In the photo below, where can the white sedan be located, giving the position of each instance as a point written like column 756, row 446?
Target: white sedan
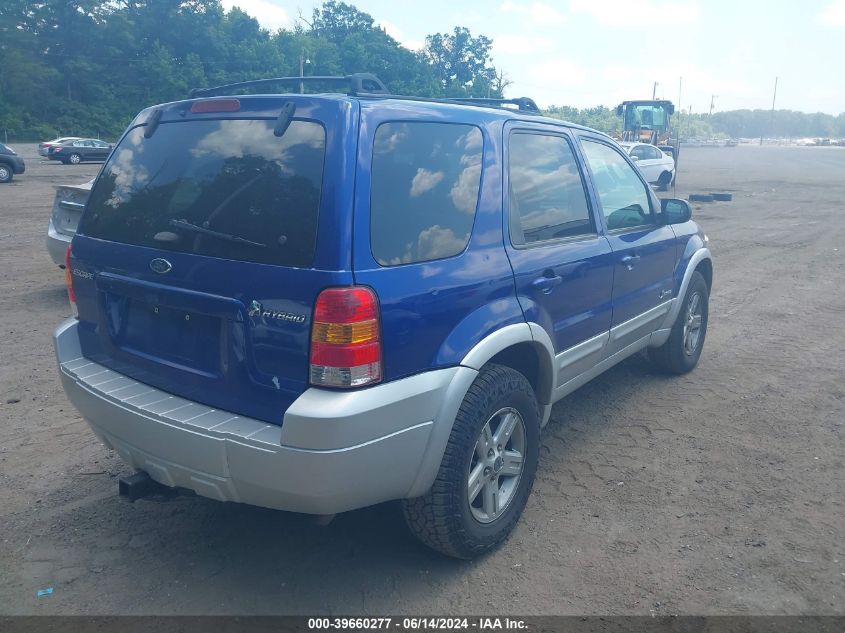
column 657, row 166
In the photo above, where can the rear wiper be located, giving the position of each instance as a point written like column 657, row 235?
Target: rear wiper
column 182, row 224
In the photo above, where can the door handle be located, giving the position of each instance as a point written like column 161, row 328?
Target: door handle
column 546, row 283
column 629, row 261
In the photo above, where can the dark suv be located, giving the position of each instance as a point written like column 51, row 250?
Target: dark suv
column 10, row 163
column 321, row 302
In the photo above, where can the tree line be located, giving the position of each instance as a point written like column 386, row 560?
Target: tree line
column 86, row 67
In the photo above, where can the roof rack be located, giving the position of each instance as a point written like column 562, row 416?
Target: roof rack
column 357, row 83
column 525, row 104
column 367, row 85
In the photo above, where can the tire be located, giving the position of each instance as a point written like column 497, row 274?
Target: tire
column 447, row 519
column 6, row 173
column 680, row 353
column 664, row 180
column 74, row 159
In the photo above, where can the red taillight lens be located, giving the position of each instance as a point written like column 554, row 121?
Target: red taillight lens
column 345, row 338
column 71, row 295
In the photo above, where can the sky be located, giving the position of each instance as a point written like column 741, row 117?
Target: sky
column 586, row 53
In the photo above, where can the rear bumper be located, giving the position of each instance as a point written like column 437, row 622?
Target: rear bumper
column 336, row 451
column 57, row 244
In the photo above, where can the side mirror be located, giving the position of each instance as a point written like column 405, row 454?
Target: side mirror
column 635, row 158
column 619, row 110
column 675, row 211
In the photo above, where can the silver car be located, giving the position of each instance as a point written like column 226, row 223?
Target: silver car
column 67, row 209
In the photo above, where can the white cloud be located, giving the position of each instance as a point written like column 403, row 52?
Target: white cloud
column 436, row 242
column 539, row 12
column 269, row 15
column 833, row 15
column 425, row 180
column 397, row 34
column 545, row 14
column 521, row 44
column 561, row 72
column 644, row 13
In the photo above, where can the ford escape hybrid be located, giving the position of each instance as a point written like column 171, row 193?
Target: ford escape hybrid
column 319, row 302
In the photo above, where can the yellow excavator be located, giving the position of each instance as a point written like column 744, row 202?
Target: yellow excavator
column 647, row 121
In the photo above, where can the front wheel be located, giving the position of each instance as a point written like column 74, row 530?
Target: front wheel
column 487, row 471
column 680, row 353
column 5, row 173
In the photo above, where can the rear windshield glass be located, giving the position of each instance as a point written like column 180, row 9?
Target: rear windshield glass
column 228, row 189
column 424, row 190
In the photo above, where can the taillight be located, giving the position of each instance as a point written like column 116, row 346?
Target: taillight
column 345, row 338
column 71, row 295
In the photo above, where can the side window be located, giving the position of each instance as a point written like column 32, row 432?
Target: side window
column 624, row 198
column 425, row 182
column 651, row 152
column 638, row 151
column 546, row 196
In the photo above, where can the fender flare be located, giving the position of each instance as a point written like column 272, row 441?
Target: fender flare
column 508, row 336
column 503, row 338
column 697, row 257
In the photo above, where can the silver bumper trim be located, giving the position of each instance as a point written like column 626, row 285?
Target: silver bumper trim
column 229, row 457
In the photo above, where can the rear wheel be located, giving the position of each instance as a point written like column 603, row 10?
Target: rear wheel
column 487, row 471
column 5, row 173
column 74, row 159
column 680, row 353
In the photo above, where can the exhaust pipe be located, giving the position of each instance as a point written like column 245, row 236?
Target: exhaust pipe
column 141, row 485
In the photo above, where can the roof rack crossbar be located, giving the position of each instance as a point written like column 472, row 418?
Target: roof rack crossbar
column 524, row 103
column 357, row 84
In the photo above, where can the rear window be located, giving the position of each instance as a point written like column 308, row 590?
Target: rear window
column 228, row 189
column 425, row 181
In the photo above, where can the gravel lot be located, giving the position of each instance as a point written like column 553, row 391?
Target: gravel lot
column 718, row 492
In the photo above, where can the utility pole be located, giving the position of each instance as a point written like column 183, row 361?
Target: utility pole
column 772, row 117
column 654, row 91
column 712, row 98
column 302, row 72
column 680, row 86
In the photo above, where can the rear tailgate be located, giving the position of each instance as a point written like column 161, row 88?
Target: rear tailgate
column 196, row 265
column 68, row 205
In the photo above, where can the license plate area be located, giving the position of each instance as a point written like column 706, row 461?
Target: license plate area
column 160, row 333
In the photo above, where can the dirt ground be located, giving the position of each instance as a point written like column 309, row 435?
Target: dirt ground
column 720, row 492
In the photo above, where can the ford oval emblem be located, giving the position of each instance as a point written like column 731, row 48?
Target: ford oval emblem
column 161, row 266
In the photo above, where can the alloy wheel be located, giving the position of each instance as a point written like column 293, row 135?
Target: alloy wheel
column 692, row 323
column 496, row 465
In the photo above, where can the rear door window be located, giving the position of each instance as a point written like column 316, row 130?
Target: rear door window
column 425, row 182
column 545, row 192
column 221, row 188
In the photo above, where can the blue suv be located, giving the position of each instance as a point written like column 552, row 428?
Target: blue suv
column 319, row 302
